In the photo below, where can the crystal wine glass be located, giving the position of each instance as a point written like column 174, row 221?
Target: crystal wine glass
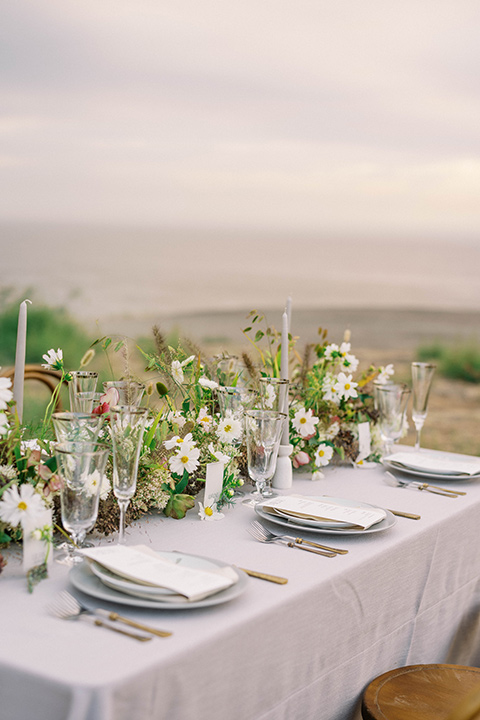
column 127, row 424
column 391, row 401
column 263, row 433
column 81, row 466
column 274, row 394
column 81, row 388
column 77, row 427
column 130, row 392
column 422, row 376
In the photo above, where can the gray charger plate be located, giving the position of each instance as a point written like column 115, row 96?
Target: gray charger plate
column 84, row 580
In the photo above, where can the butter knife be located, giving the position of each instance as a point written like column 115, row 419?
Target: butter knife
column 264, row 576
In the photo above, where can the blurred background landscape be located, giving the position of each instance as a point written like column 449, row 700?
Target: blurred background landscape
column 182, row 164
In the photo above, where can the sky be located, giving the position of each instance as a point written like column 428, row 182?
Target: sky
column 329, row 118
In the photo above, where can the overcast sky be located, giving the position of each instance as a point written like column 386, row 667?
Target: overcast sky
column 339, row 116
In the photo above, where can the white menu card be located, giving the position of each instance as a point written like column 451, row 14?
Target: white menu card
column 321, row 509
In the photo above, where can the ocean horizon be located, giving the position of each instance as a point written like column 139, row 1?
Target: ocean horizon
column 139, row 276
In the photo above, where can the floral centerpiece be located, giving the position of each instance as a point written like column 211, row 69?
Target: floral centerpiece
column 329, row 400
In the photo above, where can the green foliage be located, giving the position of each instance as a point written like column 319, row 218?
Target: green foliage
column 459, row 362
column 47, row 327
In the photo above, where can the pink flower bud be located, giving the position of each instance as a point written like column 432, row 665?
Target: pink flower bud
column 301, row 458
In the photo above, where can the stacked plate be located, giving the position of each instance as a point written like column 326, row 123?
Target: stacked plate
column 434, row 464
column 281, row 516
column 96, row 580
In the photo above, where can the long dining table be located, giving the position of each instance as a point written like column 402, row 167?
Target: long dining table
column 303, row 650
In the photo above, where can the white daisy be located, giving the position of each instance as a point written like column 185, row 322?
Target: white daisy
column 304, row 422
column 204, row 419
column 329, row 350
column 323, row 455
column 350, row 362
column 345, row 387
column 97, row 483
column 177, row 372
column 384, row 374
column 269, row 398
column 184, row 460
column 5, row 393
column 176, row 418
column 186, row 443
column 328, row 388
column 4, row 426
column 53, row 360
column 17, row 506
column 229, row 429
column 207, row 383
column 218, row 454
column 332, row 431
column 209, row 512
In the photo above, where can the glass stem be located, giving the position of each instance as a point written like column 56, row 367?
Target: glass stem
column 417, row 439
column 123, row 505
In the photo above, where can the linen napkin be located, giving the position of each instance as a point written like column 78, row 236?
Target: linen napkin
column 439, row 462
column 144, row 566
column 321, row 509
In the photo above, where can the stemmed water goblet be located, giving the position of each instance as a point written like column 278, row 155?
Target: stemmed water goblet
column 422, row 376
column 130, row 392
column 81, row 467
column 81, row 388
column 127, row 425
column 263, row 430
column 391, row 400
column 77, row 427
column 274, row 394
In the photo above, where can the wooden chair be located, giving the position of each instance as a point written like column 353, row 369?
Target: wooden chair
column 424, row 692
column 50, row 378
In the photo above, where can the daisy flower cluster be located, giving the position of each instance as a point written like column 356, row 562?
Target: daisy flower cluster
column 191, row 432
column 329, row 404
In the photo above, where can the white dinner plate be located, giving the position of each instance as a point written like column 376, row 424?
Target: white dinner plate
column 428, row 474
column 128, row 586
column 83, row 579
column 384, row 524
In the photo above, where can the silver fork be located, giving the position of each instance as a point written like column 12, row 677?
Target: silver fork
column 263, row 535
column 298, row 540
column 66, row 607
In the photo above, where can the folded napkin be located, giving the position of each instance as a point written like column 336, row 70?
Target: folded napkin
column 436, row 461
column 142, row 565
column 323, row 509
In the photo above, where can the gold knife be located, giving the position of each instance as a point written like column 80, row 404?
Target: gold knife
column 411, row 516
column 115, row 617
column 264, row 576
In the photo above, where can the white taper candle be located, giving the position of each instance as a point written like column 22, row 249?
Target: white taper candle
column 19, row 378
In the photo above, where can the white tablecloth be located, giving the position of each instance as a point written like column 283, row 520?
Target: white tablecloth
column 299, row 651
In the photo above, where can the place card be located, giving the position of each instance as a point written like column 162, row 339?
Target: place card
column 213, row 483
column 142, row 565
column 321, row 510
column 364, row 441
column 447, row 463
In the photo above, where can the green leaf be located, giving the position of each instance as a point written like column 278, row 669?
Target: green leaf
column 178, row 505
column 186, row 405
column 247, row 329
column 259, row 335
column 182, row 484
column 118, row 346
column 97, row 341
column 151, row 433
column 4, row 538
column 108, row 341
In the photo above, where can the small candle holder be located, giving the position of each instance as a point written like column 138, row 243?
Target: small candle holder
column 283, row 478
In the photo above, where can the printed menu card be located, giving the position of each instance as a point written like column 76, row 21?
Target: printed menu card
column 323, row 509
